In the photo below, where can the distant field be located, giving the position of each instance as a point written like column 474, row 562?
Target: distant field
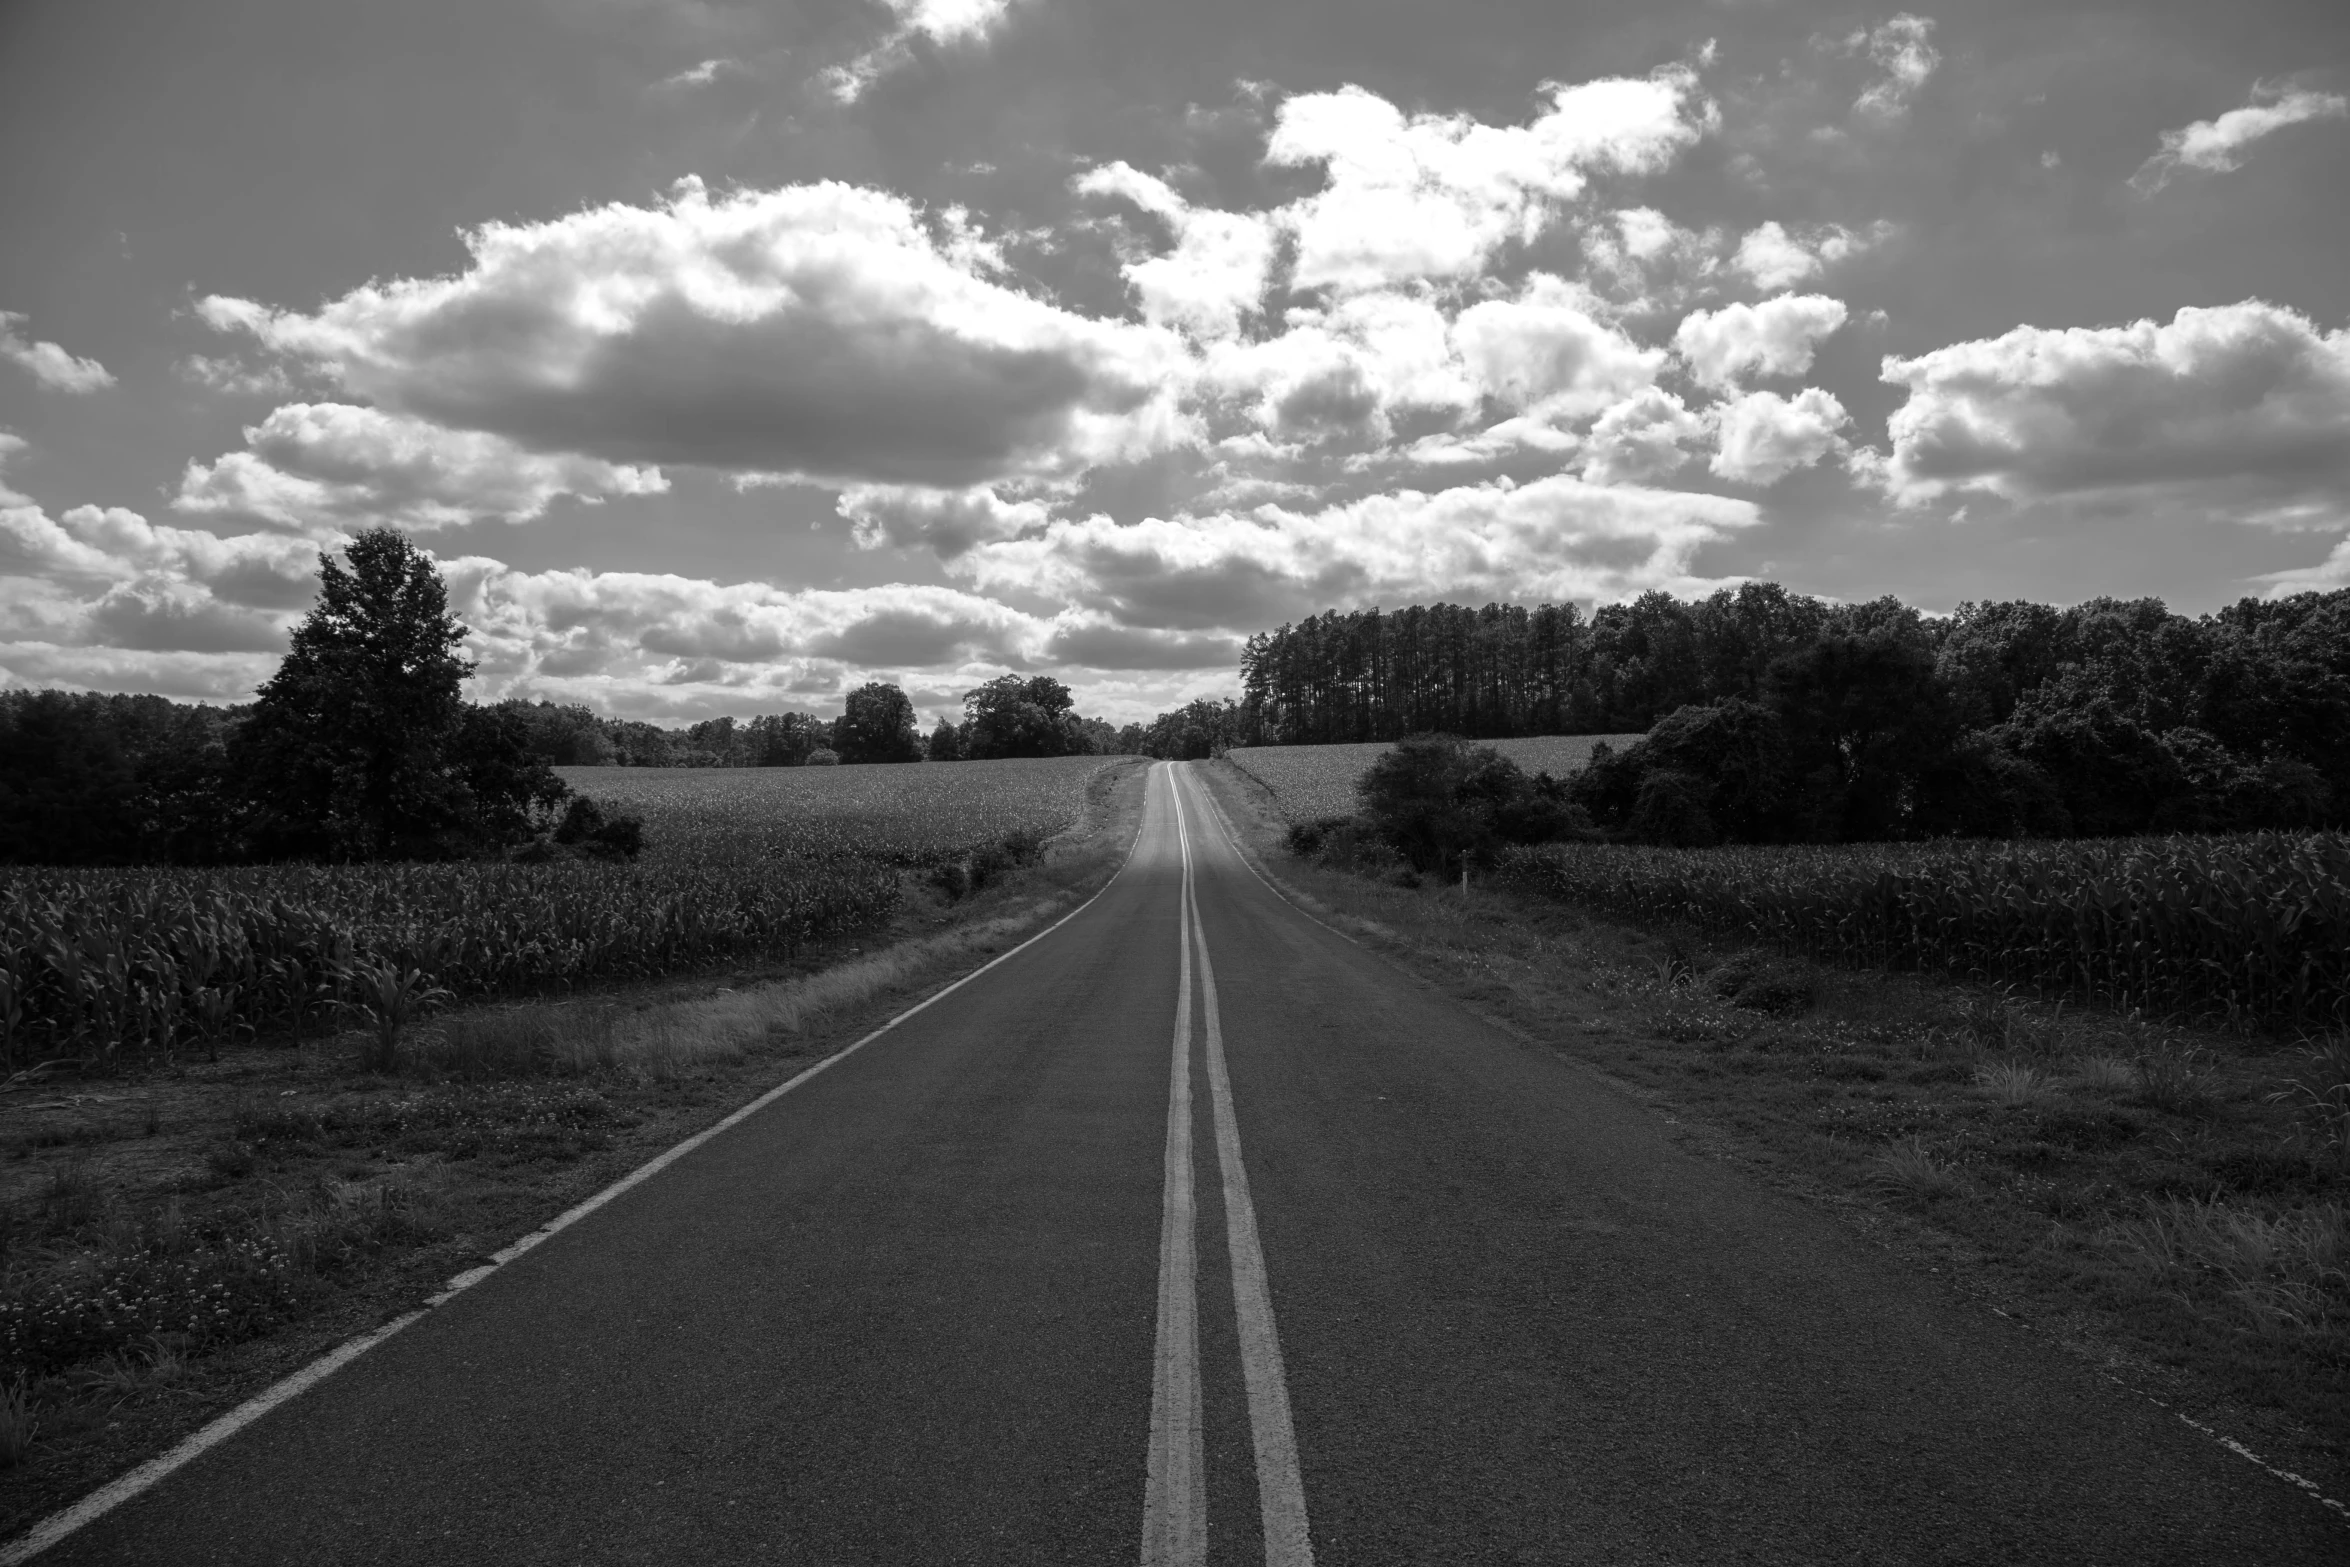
column 1319, row 780
column 909, row 814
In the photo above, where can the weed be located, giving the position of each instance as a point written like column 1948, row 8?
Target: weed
column 2012, row 1084
column 2292, row 1270
column 74, row 1197
column 2321, row 1091
column 2107, row 1075
column 2173, row 1082
column 17, row 1427
column 1908, row 1168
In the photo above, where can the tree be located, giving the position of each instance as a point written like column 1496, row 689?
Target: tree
column 357, row 748
column 946, row 742
column 1010, row 716
column 877, row 725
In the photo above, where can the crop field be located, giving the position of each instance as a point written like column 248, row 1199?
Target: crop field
column 1312, row 781
column 101, row 966
column 911, row 814
column 2252, row 928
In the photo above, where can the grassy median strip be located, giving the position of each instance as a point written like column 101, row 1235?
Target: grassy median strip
column 2167, row 1199
column 174, row 1238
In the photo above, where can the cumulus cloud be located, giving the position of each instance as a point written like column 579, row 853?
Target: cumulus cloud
column 100, row 598
column 1556, row 537
column 1340, row 374
column 1775, row 337
column 1903, row 49
column 2218, row 146
column 947, row 522
column 1774, row 257
column 2242, row 407
column 326, row 465
column 1545, row 350
column 1762, row 437
column 1640, row 440
column 817, row 330
column 1216, row 273
column 47, row 363
column 1427, row 196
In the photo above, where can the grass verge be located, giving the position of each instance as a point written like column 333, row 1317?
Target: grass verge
column 172, row 1242
column 2168, row 1202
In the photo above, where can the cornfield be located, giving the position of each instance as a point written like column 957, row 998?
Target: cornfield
column 101, row 966
column 96, row 965
column 2252, row 928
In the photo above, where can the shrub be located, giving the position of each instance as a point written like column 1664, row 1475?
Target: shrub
column 1439, row 801
column 822, row 756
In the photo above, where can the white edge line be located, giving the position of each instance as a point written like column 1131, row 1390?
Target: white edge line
column 55, row 1527
column 2308, row 1487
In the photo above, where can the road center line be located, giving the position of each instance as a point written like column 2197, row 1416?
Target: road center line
column 1281, row 1496
column 1175, row 1495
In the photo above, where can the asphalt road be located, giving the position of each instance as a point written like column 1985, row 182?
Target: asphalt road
column 951, row 1302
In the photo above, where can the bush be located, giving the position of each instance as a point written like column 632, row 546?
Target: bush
column 1437, row 800
column 822, row 756
column 590, row 834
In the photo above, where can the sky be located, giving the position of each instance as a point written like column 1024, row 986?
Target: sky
column 728, row 356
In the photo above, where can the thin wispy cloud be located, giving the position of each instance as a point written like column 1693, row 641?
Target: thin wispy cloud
column 2219, row 146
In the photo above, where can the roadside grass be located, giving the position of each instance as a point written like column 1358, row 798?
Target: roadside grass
column 2166, row 1200
column 171, row 1241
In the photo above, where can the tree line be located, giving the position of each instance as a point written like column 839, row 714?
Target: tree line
column 1773, row 717
column 362, row 747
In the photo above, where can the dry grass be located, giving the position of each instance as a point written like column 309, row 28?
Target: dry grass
column 2289, row 1269
column 2013, row 1084
column 1908, row 1169
column 2106, row 1075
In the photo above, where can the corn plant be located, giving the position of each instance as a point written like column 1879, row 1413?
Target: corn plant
column 2252, row 928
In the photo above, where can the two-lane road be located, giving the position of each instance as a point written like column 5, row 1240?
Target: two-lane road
column 1192, row 1232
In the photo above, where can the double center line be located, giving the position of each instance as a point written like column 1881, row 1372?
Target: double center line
column 1175, row 1497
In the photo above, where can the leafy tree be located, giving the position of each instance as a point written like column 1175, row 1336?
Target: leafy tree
column 1011, row 716
column 946, row 743
column 358, row 748
column 877, row 725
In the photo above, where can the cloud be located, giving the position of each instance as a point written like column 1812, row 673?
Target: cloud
column 10, row 445
column 47, row 363
column 2243, row 408
column 1557, row 537
column 816, row 330
column 947, row 522
column 1640, row 440
column 2221, row 145
column 1776, row 337
column 701, row 75
column 948, row 23
column 1773, row 257
column 1340, row 374
column 1762, row 437
column 326, row 465
column 1903, row 49
column 1097, row 644
column 100, row 598
column 1216, row 273
column 1428, row 196
column 1544, row 350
